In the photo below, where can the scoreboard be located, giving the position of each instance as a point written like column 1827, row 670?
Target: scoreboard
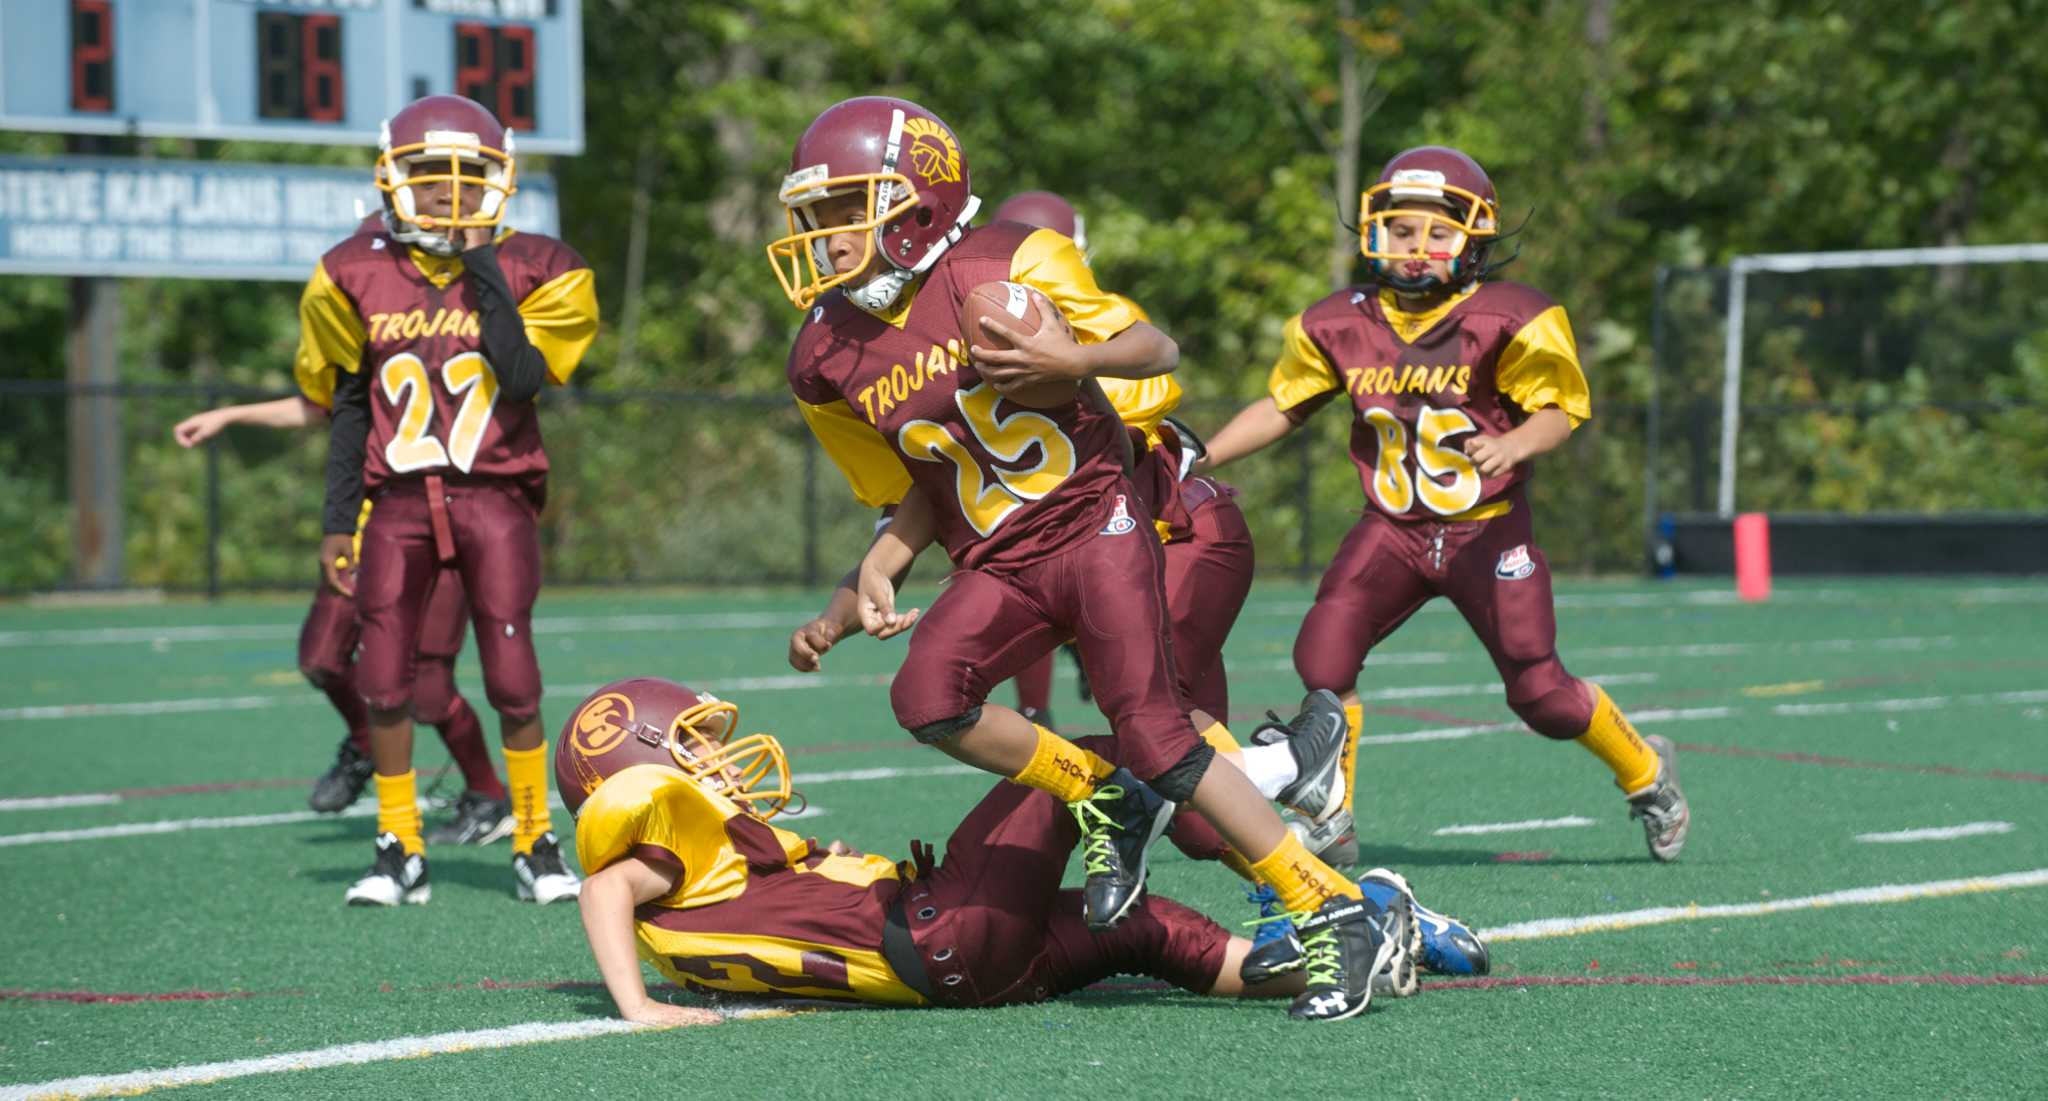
column 324, row 71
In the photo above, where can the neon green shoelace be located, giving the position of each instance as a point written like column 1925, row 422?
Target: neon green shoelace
column 1320, row 959
column 1098, row 857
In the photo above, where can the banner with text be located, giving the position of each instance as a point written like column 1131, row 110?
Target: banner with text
column 196, row 220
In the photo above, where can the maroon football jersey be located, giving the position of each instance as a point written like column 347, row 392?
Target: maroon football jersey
column 1422, row 384
column 434, row 405
column 1011, row 484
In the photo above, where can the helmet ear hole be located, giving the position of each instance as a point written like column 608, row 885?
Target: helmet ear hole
column 924, row 217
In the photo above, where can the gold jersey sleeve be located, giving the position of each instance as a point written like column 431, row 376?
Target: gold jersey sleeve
column 331, row 337
column 561, row 320
column 870, row 465
column 1049, row 261
column 651, row 811
column 1143, row 402
column 1540, row 367
column 1301, row 372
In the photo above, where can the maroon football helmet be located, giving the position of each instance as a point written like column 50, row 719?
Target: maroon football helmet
column 1440, row 177
column 919, row 197
column 433, row 140
column 1045, row 210
column 650, row 721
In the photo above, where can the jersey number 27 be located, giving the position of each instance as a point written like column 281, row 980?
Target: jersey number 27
column 408, row 386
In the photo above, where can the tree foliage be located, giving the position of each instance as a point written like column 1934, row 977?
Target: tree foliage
column 1200, row 139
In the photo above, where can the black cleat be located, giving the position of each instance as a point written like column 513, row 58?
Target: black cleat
column 342, row 784
column 1316, row 738
column 1344, row 945
column 393, row 878
column 1118, row 825
column 540, row 874
column 478, row 820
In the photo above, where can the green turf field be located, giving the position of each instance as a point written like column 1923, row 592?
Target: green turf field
column 1795, row 959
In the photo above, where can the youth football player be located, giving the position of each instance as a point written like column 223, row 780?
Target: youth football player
column 673, row 824
column 430, row 344
column 1456, row 383
column 327, row 648
column 1033, row 506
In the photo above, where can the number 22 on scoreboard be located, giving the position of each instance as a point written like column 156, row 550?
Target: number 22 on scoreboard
column 408, row 386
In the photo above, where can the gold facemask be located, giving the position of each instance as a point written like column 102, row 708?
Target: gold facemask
column 806, row 274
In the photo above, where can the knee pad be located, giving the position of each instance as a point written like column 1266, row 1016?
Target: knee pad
column 1177, row 784
column 433, row 691
column 322, row 677
column 1552, row 702
column 946, row 729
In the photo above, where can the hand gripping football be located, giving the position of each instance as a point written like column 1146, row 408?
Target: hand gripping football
column 1023, row 310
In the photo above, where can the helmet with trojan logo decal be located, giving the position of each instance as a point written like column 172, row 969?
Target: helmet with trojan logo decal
column 650, row 721
column 1046, row 210
column 1455, row 198
column 907, row 164
column 451, row 140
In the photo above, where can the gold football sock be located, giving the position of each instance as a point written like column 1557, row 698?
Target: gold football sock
column 398, row 810
column 1219, row 737
column 1062, row 769
column 526, row 777
column 1354, row 719
column 1302, row 882
column 1612, row 739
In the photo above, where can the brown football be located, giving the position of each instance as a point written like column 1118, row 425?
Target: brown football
column 1023, row 310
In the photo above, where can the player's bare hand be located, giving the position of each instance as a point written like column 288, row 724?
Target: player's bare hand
column 199, row 427
column 664, row 1015
column 841, row 848
column 472, row 237
column 808, row 644
column 1049, row 355
column 338, row 563
column 878, row 614
column 1493, row 455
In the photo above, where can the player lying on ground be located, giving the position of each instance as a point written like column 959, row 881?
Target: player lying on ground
column 687, row 873
column 883, row 255
column 1455, row 383
column 327, row 658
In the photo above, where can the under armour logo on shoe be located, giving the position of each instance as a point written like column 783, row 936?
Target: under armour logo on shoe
column 1328, row 1003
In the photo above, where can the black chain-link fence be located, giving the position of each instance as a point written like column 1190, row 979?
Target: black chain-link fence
column 652, row 488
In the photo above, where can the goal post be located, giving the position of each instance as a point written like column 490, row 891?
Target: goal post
column 1739, row 270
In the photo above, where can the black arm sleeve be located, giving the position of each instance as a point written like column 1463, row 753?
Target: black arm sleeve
column 347, row 436
column 520, row 367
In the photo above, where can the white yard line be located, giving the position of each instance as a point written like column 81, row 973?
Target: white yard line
column 54, row 802
column 1567, row 822
column 1856, row 896
column 341, row 1055
column 1938, row 833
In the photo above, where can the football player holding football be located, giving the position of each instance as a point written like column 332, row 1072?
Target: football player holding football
column 1457, row 382
column 430, row 344
column 327, row 649
column 687, row 872
column 1207, row 544
column 1048, row 534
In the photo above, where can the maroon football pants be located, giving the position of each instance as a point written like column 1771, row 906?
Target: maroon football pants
column 496, row 547
column 1105, row 592
column 994, row 928
column 1490, row 570
column 327, row 658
